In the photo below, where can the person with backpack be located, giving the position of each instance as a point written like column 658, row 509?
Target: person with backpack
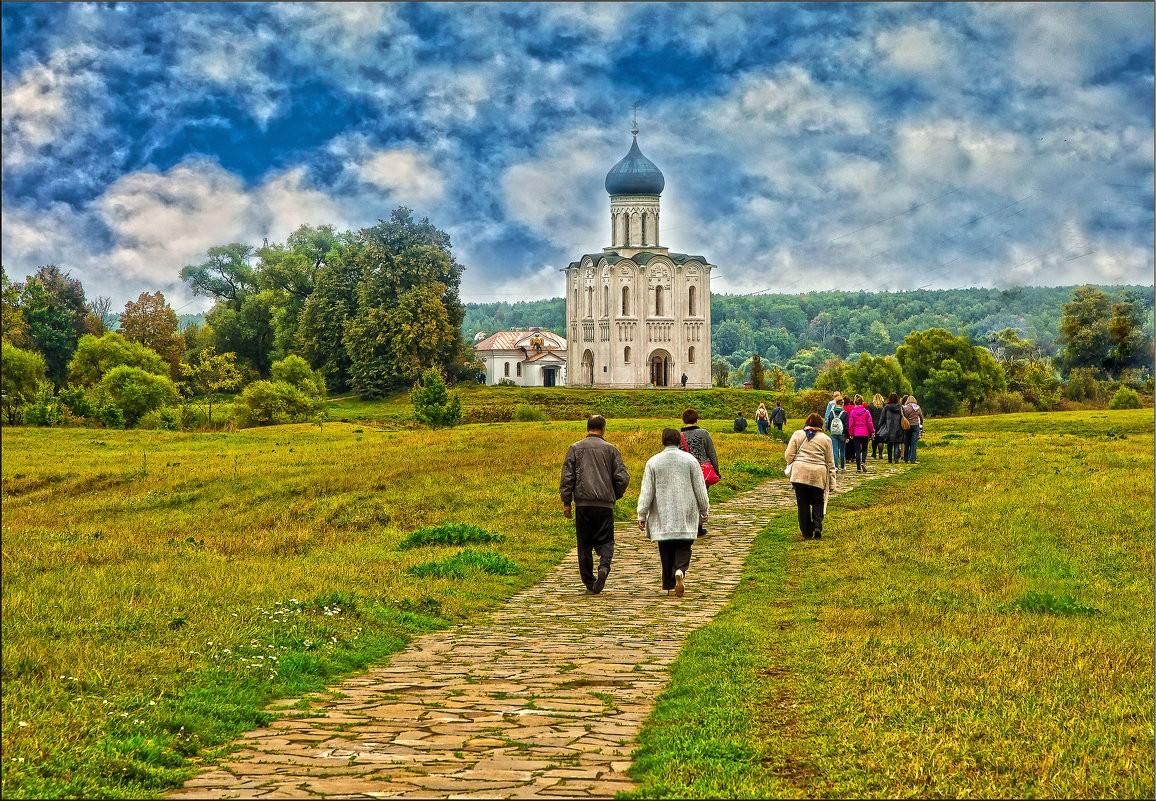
column 698, row 443
column 672, row 507
column 890, row 427
column 762, row 419
column 914, row 417
column 740, row 423
column 860, row 427
column 779, row 416
column 836, row 424
column 594, row 477
column 811, row 468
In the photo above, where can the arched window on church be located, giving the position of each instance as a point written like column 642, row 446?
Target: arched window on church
column 626, row 230
column 507, row 369
column 690, row 355
column 626, row 355
column 644, row 241
column 692, row 298
column 589, row 301
column 519, row 367
column 658, row 301
column 605, row 300
column 625, row 301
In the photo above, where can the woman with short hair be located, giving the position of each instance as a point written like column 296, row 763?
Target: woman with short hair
column 700, row 445
column 811, row 462
column 890, row 427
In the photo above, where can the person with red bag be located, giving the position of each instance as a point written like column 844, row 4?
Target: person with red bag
column 698, row 443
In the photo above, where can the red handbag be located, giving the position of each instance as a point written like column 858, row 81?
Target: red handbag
column 709, row 474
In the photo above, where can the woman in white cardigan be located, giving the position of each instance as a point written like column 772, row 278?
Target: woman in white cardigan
column 671, row 505
column 811, row 460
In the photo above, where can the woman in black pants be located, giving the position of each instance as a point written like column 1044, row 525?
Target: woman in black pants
column 811, row 460
column 876, row 409
column 890, row 427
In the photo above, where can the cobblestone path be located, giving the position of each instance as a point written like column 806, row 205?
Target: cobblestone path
column 542, row 699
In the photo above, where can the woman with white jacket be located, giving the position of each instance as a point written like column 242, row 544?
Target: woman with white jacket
column 811, row 461
column 672, row 504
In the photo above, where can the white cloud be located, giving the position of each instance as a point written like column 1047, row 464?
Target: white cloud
column 919, row 48
column 408, row 175
column 791, row 102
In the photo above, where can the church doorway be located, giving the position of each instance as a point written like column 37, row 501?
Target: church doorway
column 588, row 368
column 548, row 376
column 661, row 367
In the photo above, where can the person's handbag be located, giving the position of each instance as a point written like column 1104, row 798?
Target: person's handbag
column 904, row 423
column 709, row 475
column 787, row 470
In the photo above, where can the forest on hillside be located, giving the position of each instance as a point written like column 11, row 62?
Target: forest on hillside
column 803, row 331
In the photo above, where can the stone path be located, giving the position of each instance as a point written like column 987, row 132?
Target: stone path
column 543, row 699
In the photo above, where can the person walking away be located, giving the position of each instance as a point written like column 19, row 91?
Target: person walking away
column 876, row 409
column 914, row 416
column 700, row 445
column 672, row 507
column 811, row 461
column 594, row 477
column 836, row 424
column 762, row 419
column 838, row 396
column 779, row 416
column 890, row 429
column 740, row 423
column 684, row 380
column 861, row 428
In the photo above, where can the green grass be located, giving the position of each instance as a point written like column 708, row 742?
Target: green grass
column 981, row 627
column 468, row 561
column 144, row 573
column 449, row 534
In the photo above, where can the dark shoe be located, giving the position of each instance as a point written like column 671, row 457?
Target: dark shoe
column 808, row 536
column 818, row 535
column 600, row 582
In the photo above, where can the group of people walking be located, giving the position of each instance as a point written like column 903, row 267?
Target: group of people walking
column 673, row 505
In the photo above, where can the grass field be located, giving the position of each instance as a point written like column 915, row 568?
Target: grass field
column 981, row 628
column 160, row 588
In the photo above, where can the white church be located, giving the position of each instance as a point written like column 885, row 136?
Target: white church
column 639, row 315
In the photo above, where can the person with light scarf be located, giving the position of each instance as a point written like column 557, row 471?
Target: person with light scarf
column 811, row 462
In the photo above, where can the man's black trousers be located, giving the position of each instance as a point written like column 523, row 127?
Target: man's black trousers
column 595, row 528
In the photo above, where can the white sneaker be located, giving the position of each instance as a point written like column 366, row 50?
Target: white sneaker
column 679, row 587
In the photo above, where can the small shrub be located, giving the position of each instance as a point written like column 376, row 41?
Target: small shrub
column 525, row 413
column 449, row 534
column 266, row 403
column 468, row 561
column 1046, row 603
column 167, row 418
column 1004, row 403
column 1082, row 385
column 135, row 391
column 43, row 413
column 506, row 382
column 432, row 404
column 1125, row 398
column 109, row 416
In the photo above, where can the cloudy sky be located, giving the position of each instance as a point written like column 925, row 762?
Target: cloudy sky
column 815, row 146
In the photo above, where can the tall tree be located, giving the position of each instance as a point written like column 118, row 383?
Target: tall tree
column 946, row 370
column 226, row 274
column 151, row 321
column 54, row 310
column 13, row 325
column 1129, row 347
column 291, row 272
column 211, row 373
column 1084, row 330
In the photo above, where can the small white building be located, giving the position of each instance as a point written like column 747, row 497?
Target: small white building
column 533, row 358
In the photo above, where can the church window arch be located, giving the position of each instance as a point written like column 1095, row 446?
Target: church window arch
column 626, row 355
column 507, row 366
column 625, row 301
column 690, row 355
column 605, row 300
column 691, row 300
column 644, row 241
column 589, row 301
column 658, row 301
column 519, row 369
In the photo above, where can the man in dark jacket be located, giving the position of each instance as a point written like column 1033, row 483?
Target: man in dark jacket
column 740, row 424
column 594, row 477
column 778, row 416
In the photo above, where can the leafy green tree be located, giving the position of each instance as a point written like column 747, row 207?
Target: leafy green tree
column 720, row 370
column 1129, row 347
column 211, row 373
column 22, row 372
column 275, row 402
column 135, row 392
column 758, row 377
column 320, row 336
column 1125, row 398
column 291, row 271
column 245, row 327
column 778, row 380
column 13, row 326
column 296, row 372
column 1084, row 329
column 946, row 371
column 870, row 374
column 226, row 274
column 408, row 315
column 833, row 374
column 432, row 404
column 151, row 321
column 54, row 311
column 95, row 356
column 728, row 337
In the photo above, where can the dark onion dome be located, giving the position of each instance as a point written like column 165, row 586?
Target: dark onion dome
column 635, row 175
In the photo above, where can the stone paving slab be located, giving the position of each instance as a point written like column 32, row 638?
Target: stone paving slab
column 542, row 699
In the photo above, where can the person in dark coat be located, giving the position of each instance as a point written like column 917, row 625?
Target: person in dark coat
column 740, row 423
column 876, row 409
column 890, row 429
column 700, row 445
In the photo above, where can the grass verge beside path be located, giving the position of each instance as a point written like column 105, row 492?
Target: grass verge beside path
column 980, row 627
column 161, row 588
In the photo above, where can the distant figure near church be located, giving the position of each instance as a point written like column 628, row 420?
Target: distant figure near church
column 638, row 315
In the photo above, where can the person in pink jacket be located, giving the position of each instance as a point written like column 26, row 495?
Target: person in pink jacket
column 860, row 428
